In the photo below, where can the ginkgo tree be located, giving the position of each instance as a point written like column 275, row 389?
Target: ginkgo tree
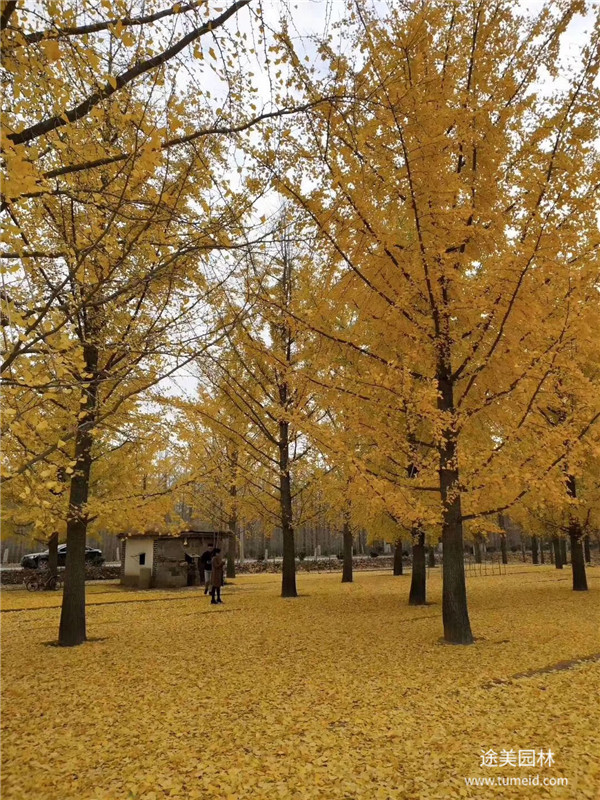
column 115, row 192
column 122, row 267
column 66, row 63
column 260, row 373
column 460, row 208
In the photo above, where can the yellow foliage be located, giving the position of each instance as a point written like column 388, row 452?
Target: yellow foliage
column 344, row 693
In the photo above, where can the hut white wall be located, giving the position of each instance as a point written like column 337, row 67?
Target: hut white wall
column 132, row 555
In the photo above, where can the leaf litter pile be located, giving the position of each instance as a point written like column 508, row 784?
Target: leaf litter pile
column 343, row 693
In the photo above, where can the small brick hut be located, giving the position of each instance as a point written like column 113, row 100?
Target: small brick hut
column 173, row 560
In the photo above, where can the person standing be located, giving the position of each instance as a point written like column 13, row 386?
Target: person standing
column 216, row 579
column 205, row 561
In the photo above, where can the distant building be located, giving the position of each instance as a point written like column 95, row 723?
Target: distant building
column 173, row 561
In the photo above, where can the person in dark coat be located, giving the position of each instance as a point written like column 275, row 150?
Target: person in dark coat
column 216, row 577
column 205, row 560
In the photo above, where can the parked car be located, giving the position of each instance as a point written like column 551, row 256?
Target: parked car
column 93, row 556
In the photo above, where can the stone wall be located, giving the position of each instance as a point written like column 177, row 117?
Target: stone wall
column 169, row 565
column 12, row 577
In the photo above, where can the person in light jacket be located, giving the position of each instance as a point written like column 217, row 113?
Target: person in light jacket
column 216, row 577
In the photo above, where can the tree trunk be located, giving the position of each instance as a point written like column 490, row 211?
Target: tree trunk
column 431, row 556
column 563, row 550
column 72, row 617
column 534, row 550
column 503, row 549
column 347, row 544
column 53, row 555
column 558, row 562
column 398, row 568
column 455, row 613
column 232, row 525
column 575, row 536
column 542, row 558
column 477, row 548
column 418, row 581
column 288, row 578
column 230, row 570
column 586, row 549
column 577, row 561
column 361, row 545
column 523, row 552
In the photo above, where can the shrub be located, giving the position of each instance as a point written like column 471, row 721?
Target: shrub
column 301, row 555
column 373, row 553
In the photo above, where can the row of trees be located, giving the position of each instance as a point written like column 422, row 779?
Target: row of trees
column 403, row 341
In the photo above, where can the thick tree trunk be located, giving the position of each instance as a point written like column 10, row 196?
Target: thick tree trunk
column 398, row 568
column 575, row 536
column 534, row 550
column 72, row 618
column 503, row 549
column 455, row 613
column 53, row 555
column 558, row 562
column 288, row 578
column 347, row 544
column 418, row 581
column 586, row 549
column 577, row 561
column 563, row 550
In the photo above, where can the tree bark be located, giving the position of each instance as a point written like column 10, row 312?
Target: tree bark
column 477, row 548
column 53, row 555
column 230, row 569
column 398, row 567
column 9, row 8
column 361, row 542
column 455, row 613
column 431, row 556
column 232, row 524
column 575, row 536
column 563, row 550
column 586, row 549
column 534, row 550
column 347, row 543
column 558, row 562
column 577, row 560
column 71, row 630
column 503, row 549
column 288, row 578
column 418, row 582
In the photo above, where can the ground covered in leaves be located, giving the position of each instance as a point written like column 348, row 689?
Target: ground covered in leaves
column 340, row 694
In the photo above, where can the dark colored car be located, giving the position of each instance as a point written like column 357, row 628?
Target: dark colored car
column 40, row 560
